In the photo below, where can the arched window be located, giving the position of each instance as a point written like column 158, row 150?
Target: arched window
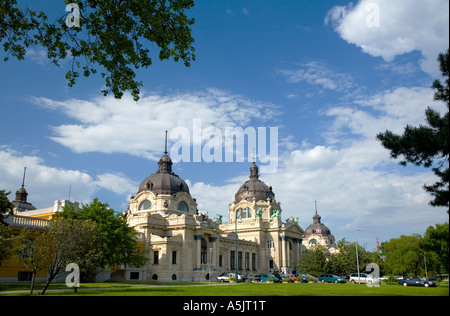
column 145, row 205
column 182, row 206
column 312, row 242
column 204, row 251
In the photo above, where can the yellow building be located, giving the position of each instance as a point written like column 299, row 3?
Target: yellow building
column 25, row 215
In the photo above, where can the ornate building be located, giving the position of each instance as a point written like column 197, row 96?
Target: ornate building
column 187, row 245
column 319, row 234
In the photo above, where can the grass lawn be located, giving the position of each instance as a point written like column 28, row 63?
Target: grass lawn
column 217, row 289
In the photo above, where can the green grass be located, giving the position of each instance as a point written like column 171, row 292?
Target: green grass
column 216, row 289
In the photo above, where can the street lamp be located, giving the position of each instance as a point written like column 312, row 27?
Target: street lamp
column 357, row 261
column 235, row 247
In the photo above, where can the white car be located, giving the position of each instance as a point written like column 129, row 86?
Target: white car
column 226, row 277
column 364, row 278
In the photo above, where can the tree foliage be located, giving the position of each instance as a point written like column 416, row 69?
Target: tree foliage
column 119, row 241
column 428, row 145
column 115, row 36
column 436, row 244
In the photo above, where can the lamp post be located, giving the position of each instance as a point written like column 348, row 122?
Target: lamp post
column 235, row 247
column 357, row 261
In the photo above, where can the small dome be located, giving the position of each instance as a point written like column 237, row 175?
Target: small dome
column 164, row 181
column 317, row 227
column 254, row 188
column 20, row 204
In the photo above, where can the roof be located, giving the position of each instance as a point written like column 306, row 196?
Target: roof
column 164, row 181
column 254, row 188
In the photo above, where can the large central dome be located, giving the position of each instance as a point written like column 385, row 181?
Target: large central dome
column 164, row 181
column 254, row 188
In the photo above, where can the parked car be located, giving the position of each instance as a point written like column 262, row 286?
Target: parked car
column 363, row 278
column 331, row 278
column 281, row 276
column 416, row 281
column 263, row 277
column 225, row 277
column 291, row 277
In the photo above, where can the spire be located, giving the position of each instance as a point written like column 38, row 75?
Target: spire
column 23, row 179
column 316, row 217
column 21, row 204
column 165, row 146
column 254, row 171
column 165, row 163
column 21, row 194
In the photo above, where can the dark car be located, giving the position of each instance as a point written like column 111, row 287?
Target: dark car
column 331, row 278
column 416, row 281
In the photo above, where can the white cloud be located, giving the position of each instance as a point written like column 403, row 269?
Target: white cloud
column 46, row 184
column 316, row 73
column 137, row 128
column 404, row 26
column 352, row 176
column 117, row 183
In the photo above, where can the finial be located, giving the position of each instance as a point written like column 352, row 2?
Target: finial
column 23, row 180
column 165, row 147
column 254, row 158
column 315, row 202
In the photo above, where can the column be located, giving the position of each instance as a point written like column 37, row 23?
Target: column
column 198, row 239
column 214, row 255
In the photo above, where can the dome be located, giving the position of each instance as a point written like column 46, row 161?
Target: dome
column 21, row 204
column 164, row 181
column 317, row 227
column 254, row 188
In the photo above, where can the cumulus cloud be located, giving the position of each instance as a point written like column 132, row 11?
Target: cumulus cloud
column 46, row 184
column 137, row 128
column 351, row 175
column 404, row 26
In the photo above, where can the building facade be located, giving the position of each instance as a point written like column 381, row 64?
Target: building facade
column 183, row 243
column 187, row 245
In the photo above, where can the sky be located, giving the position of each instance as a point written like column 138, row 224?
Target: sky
column 312, row 82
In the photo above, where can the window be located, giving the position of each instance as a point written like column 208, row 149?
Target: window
column 312, row 242
column 253, row 261
column 24, row 276
column 134, row 275
column 174, row 257
column 244, row 213
column 204, row 251
column 182, row 206
column 145, row 205
column 155, row 257
column 270, row 264
column 220, row 260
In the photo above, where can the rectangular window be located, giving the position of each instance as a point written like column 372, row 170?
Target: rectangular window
column 253, row 261
column 220, row 260
column 270, row 264
column 174, row 257
column 134, row 275
column 24, row 276
column 155, row 257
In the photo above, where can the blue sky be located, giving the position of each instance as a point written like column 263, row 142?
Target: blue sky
column 329, row 75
